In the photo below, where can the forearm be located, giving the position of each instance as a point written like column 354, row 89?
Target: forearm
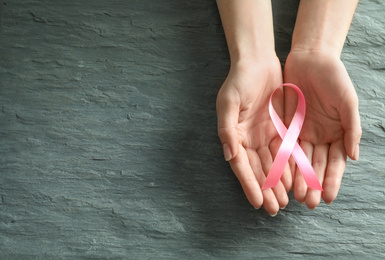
column 248, row 26
column 322, row 25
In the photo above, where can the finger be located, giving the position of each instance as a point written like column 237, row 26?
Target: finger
column 241, row 167
column 350, row 119
column 319, row 162
column 300, row 187
column 266, row 159
column 256, row 167
column 228, row 114
column 270, row 202
column 287, row 178
column 334, row 171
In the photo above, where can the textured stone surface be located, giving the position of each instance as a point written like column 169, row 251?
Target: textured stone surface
column 108, row 144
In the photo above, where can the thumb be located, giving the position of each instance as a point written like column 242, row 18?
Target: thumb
column 228, row 114
column 350, row 119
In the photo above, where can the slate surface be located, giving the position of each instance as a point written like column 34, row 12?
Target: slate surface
column 108, row 144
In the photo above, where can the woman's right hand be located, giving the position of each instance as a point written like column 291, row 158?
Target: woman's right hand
column 249, row 138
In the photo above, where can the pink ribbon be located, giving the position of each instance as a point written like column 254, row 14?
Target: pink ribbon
column 290, row 146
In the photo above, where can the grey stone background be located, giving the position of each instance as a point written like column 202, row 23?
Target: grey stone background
column 108, row 144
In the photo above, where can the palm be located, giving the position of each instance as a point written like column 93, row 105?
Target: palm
column 330, row 97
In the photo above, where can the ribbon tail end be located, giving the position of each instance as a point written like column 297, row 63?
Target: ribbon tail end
column 269, row 184
column 265, row 187
column 316, row 186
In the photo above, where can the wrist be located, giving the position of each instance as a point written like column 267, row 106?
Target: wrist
column 253, row 68
column 313, row 55
column 316, row 46
column 250, row 58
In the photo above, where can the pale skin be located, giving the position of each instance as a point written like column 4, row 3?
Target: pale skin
column 331, row 130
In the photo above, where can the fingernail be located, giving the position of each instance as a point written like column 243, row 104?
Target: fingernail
column 282, row 207
column 357, row 152
column 273, row 215
column 257, row 208
column 227, row 152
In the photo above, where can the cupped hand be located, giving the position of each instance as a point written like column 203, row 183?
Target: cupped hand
column 331, row 129
column 249, row 138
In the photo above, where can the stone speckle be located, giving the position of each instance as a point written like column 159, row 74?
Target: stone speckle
column 109, row 146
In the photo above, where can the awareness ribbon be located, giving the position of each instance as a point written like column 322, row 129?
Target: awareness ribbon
column 290, row 146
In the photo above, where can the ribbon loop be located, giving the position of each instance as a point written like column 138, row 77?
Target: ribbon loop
column 290, row 145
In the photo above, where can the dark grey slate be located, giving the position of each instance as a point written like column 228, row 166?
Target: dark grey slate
column 108, row 144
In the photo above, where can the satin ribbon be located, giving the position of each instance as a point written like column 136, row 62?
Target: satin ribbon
column 290, row 146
